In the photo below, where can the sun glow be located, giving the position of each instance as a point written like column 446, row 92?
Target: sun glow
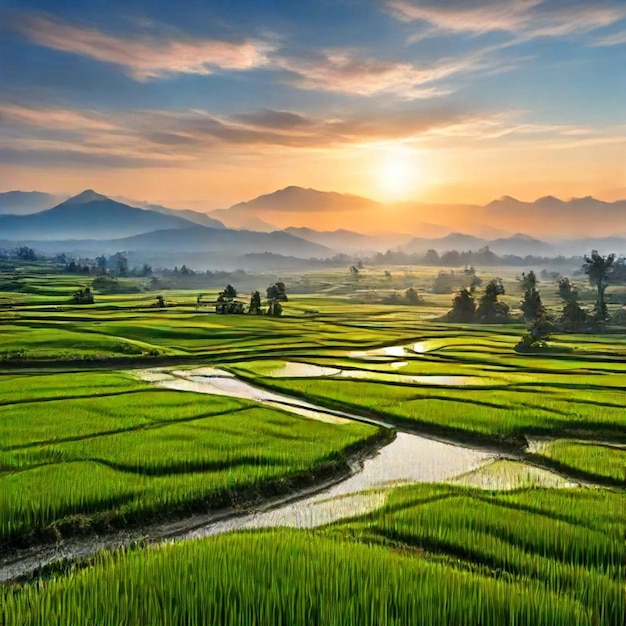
column 398, row 173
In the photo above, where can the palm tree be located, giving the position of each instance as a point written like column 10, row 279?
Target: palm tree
column 598, row 269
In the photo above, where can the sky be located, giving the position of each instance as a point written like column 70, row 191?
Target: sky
column 201, row 104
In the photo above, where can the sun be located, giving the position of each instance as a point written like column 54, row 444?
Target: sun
column 397, row 173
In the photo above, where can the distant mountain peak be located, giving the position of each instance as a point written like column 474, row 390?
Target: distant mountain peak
column 503, row 200
column 546, row 199
column 523, row 236
column 89, row 195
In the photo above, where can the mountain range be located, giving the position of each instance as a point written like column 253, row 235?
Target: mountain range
column 86, row 216
column 546, row 217
column 26, row 202
column 91, row 223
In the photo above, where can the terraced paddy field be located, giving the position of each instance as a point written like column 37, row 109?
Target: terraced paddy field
column 121, row 415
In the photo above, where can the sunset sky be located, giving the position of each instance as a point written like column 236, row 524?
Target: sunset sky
column 200, row 104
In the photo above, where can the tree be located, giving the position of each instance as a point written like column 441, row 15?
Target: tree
column 120, row 264
column 411, row 296
column 229, row 293
column 101, row 264
column 445, row 282
column 229, row 307
column 451, row 258
column 255, row 303
column 598, row 270
column 277, row 292
column 528, row 281
column 83, row 296
column 475, row 282
column 24, row 253
column 463, row 306
column 531, row 305
column 489, row 309
column 275, row 309
column 431, row 257
column 539, row 332
column 573, row 316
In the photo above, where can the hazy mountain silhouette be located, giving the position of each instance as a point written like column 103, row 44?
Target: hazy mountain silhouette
column 194, row 240
column 350, row 241
column 295, row 199
column 88, row 215
column 453, row 241
column 550, row 216
column 545, row 217
column 197, row 217
column 242, row 221
column 193, row 216
column 283, row 205
column 229, row 241
column 518, row 245
column 521, row 245
column 96, row 222
column 26, row 202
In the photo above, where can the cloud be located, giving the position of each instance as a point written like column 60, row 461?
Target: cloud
column 188, row 136
column 54, row 118
column 341, row 70
column 268, row 118
column 529, row 18
column 144, row 57
column 155, row 138
column 616, row 39
column 351, row 72
column 77, row 158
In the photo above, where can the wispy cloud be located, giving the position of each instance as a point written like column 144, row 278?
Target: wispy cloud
column 340, row 70
column 529, row 18
column 143, row 57
column 158, row 138
column 353, row 72
column 615, row 39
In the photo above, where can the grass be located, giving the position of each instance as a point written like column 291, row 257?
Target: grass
column 435, row 554
column 68, row 458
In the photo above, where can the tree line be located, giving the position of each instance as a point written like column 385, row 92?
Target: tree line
column 227, row 304
column 601, row 271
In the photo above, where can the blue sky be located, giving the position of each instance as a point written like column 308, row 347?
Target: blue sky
column 204, row 103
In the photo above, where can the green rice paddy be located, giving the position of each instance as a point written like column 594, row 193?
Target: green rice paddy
column 127, row 451
column 432, row 555
column 85, row 445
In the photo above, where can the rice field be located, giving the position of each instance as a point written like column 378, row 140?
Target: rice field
column 583, row 457
column 81, row 449
column 86, row 446
column 434, row 554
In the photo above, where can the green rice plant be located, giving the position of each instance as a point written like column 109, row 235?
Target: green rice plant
column 284, row 577
column 587, row 459
column 141, row 452
column 569, row 541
